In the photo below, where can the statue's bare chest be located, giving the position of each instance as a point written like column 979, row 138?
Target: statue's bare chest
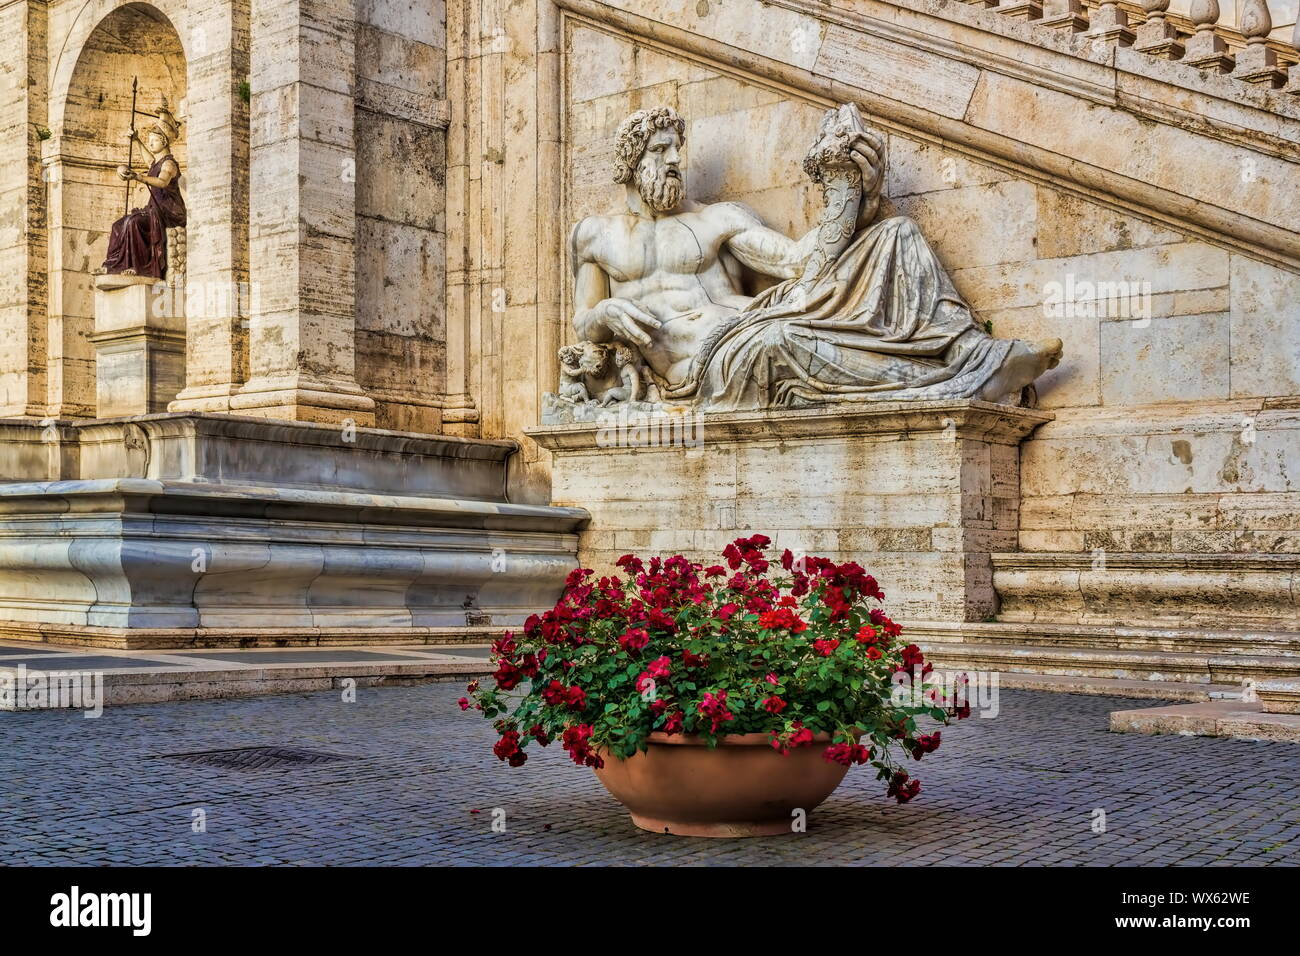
column 670, row 246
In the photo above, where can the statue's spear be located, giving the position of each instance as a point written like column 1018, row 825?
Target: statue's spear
column 130, row 148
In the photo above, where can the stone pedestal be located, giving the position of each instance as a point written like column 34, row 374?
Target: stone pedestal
column 920, row 493
column 201, row 530
column 139, row 341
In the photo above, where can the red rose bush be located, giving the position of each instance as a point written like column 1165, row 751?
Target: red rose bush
column 671, row 646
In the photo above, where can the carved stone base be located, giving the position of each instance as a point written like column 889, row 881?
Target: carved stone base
column 920, row 493
column 1258, row 64
column 139, row 341
column 1064, row 15
column 1207, row 51
column 1157, row 37
column 180, row 524
column 1021, row 9
column 1109, row 24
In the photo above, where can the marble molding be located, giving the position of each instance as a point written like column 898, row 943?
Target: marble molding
column 189, row 527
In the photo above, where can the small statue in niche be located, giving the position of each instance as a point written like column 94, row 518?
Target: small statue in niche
column 137, row 244
column 601, row 373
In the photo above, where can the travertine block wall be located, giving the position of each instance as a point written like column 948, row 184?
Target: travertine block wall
column 400, row 206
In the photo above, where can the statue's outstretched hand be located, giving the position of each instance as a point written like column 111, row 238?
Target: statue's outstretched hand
column 125, row 173
column 624, row 320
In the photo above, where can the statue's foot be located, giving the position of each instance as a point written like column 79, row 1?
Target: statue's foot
column 129, row 272
column 1025, row 362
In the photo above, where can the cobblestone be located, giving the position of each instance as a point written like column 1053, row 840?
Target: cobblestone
column 1016, row 790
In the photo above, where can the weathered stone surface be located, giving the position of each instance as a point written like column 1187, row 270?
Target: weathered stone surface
column 213, row 522
column 918, row 492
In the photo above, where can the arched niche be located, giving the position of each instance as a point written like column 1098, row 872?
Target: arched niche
column 90, row 108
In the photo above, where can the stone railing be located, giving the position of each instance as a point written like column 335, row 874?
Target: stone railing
column 1245, row 51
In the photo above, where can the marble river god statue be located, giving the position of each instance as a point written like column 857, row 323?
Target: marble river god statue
column 863, row 310
column 137, row 244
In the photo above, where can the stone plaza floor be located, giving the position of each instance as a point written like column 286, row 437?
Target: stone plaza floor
column 1019, row 789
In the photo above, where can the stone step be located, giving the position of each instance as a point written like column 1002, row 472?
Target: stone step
column 1220, row 718
column 1117, row 687
column 1110, row 663
column 45, row 676
column 234, row 638
column 1279, row 696
column 1210, row 642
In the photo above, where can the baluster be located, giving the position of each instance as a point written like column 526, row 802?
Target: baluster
column 1206, row 49
column 1064, row 15
column 1257, row 63
column 1157, row 36
column 1109, row 24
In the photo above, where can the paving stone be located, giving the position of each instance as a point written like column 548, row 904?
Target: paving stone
column 1016, row 790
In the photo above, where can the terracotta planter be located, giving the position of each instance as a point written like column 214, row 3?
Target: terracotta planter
column 742, row 788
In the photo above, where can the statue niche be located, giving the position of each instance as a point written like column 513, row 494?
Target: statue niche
column 863, row 311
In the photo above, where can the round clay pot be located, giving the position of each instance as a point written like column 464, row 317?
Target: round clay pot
column 743, row 787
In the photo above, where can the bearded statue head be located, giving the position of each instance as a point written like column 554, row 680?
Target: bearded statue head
column 647, row 150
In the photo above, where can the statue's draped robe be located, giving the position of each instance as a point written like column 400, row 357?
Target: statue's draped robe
column 881, row 322
column 139, row 239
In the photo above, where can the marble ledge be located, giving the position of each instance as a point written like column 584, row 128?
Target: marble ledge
column 87, row 497
column 901, row 420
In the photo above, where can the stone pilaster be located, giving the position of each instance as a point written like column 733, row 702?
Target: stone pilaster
column 460, row 414
column 302, row 214
column 22, row 208
column 217, row 286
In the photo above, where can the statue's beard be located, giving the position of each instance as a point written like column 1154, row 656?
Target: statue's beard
column 661, row 192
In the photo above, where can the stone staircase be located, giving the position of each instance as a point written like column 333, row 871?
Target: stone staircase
column 1248, row 49
column 1180, row 662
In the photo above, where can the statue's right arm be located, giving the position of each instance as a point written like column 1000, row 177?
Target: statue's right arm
column 590, row 288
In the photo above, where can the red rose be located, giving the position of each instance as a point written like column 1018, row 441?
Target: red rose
column 660, row 668
column 726, row 612
column 634, row 639
column 774, row 705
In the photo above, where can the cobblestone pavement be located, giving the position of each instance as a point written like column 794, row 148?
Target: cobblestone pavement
column 1018, row 789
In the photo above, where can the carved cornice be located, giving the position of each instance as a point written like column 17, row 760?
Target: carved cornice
column 886, row 421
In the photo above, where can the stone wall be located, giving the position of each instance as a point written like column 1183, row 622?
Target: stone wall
column 1035, row 162
column 316, row 241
